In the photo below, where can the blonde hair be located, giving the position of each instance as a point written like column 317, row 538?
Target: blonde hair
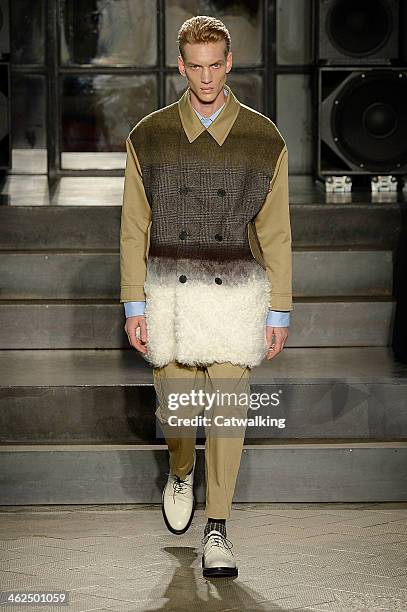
column 203, row 29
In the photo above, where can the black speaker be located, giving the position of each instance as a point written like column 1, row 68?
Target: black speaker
column 362, row 120
column 358, row 31
column 403, row 31
column 4, row 30
column 5, row 131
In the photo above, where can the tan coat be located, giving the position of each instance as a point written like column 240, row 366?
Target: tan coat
column 205, row 233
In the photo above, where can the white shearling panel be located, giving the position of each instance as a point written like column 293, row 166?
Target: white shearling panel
column 159, row 313
column 221, row 324
column 200, row 322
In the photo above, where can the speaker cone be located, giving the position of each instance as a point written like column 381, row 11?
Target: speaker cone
column 359, row 27
column 369, row 119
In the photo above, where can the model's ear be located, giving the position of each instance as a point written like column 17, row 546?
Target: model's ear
column 229, row 61
column 181, row 65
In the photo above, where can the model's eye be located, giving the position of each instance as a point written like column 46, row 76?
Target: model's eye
column 216, row 65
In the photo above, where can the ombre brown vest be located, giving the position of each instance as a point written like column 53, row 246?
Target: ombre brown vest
column 206, row 286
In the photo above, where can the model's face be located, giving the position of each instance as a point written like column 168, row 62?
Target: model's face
column 205, row 68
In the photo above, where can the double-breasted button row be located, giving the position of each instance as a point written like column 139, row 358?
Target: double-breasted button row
column 183, row 279
column 184, row 234
column 185, row 189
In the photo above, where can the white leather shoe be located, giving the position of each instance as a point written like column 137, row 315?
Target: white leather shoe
column 178, row 502
column 217, row 558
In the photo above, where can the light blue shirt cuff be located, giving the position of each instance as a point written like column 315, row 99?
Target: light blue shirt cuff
column 275, row 318
column 132, row 309
column 278, row 318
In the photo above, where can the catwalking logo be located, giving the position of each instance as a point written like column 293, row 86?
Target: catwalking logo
column 223, row 421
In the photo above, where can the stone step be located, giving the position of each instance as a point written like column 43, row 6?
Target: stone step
column 101, row 397
column 40, row 275
column 107, row 474
column 33, row 224
column 39, row 324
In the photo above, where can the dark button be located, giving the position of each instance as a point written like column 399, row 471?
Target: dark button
column 218, row 237
column 218, row 280
column 221, row 192
column 183, row 234
column 182, row 278
column 184, row 190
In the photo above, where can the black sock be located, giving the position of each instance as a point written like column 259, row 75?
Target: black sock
column 214, row 523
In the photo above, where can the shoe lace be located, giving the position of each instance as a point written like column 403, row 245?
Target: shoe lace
column 218, row 540
column 179, row 485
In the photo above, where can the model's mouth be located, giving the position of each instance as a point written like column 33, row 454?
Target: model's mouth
column 206, row 89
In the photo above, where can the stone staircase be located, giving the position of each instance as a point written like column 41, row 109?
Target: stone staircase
column 76, row 404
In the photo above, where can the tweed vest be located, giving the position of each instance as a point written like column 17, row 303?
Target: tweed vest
column 206, row 285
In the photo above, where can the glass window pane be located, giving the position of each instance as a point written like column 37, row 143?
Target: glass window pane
column 175, row 85
column 28, row 125
column 244, row 21
column 248, row 88
column 99, row 111
column 108, row 33
column 294, row 119
column 27, row 31
column 294, row 37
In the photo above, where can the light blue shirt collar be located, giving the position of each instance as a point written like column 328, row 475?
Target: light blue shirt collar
column 208, row 120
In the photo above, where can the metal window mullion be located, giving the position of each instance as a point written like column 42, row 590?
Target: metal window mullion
column 265, row 57
column 161, row 42
column 52, row 102
column 271, row 77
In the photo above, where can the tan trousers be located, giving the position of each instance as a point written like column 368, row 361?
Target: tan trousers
column 222, row 452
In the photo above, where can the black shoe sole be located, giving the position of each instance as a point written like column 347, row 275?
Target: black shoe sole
column 219, row 572
column 168, row 524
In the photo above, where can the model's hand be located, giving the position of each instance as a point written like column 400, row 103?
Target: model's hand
column 281, row 335
column 137, row 340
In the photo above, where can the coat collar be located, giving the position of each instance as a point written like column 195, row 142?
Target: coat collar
column 221, row 126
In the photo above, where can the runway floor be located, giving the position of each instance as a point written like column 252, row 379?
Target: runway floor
column 300, row 556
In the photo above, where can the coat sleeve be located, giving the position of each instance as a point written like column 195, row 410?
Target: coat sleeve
column 273, row 230
column 134, row 231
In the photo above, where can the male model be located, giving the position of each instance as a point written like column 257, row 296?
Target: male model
column 205, row 255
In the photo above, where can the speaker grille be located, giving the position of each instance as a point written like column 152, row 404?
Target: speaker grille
column 359, row 28
column 369, row 121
